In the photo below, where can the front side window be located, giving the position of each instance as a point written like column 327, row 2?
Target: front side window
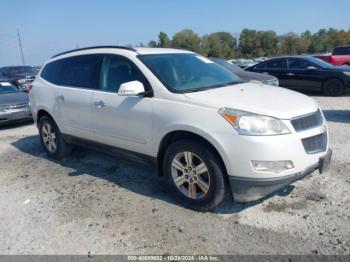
column 297, row 63
column 181, row 73
column 277, row 64
column 117, row 70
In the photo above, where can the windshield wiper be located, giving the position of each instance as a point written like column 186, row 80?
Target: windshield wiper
column 200, row 89
column 212, row 87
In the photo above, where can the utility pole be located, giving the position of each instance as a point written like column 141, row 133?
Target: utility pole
column 20, row 46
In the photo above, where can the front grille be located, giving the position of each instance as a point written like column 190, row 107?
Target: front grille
column 315, row 144
column 19, row 106
column 309, row 121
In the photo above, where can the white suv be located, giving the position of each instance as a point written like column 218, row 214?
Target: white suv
column 204, row 129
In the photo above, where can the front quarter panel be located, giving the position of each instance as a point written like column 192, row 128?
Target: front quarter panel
column 170, row 115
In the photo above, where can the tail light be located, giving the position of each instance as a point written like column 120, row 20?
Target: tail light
column 29, row 87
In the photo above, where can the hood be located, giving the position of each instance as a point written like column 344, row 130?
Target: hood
column 343, row 68
column 13, row 99
column 248, row 76
column 265, row 100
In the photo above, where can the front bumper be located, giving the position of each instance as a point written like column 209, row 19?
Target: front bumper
column 15, row 116
column 251, row 189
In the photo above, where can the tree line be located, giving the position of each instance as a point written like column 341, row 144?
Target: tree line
column 254, row 43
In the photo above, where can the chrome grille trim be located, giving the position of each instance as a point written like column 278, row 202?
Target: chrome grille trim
column 308, row 121
column 19, row 106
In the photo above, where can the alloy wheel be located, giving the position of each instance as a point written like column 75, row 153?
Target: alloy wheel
column 190, row 175
column 49, row 137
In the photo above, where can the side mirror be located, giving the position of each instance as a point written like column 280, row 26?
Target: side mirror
column 133, row 88
column 311, row 68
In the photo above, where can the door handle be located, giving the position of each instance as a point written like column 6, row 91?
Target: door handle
column 290, row 74
column 99, row 104
column 60, row 98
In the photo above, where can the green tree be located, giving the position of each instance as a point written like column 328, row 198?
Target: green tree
column 187, row 39
column 152, row 43
column 164, row 40
column 254, row 43
column 289, row 44
column 220, row 44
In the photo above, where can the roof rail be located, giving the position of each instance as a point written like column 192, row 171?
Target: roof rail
column 94, row 47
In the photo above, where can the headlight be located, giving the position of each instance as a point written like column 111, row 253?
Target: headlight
column 346, row 73
column 256, row 82
column 252, row 124
column 273, row 82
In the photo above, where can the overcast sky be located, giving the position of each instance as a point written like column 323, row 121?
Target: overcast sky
column 48, row 27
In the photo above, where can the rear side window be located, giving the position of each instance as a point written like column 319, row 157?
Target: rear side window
column 78, row 71
column 277, row 64
column 52, row 72
column 343, row 50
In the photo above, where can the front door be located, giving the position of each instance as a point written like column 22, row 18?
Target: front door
column 121, row 121
column 303, row 75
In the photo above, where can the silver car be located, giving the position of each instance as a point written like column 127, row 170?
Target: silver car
column 14, row 104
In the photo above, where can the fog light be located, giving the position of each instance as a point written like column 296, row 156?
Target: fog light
column 276, row 167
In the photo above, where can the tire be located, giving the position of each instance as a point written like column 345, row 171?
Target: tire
column 47, row 127
column 200, row 191
column 333, row 87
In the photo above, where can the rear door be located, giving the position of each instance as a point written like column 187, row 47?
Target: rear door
column 122, row 121
column 303, row 75
column 73, row 109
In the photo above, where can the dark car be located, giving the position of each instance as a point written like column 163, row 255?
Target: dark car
column 21, row 76
column 307, row 73
column 245, row 75
column 14, row 104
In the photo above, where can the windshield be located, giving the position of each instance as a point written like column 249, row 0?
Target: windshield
column 320, row 63
column 232, row 68
column 6, row 88
column 182, row 73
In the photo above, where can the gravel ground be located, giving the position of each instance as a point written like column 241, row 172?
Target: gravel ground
column 99, row 203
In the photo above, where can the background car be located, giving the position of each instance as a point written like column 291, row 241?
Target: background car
column 20, row 76
column 306, row 73
column 243, row 63
column 245, row 75
column 14, row 104
column 340, row 56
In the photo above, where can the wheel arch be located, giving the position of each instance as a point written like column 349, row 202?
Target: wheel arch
column 333, row 77
column 42, row 112
column 176, row 135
